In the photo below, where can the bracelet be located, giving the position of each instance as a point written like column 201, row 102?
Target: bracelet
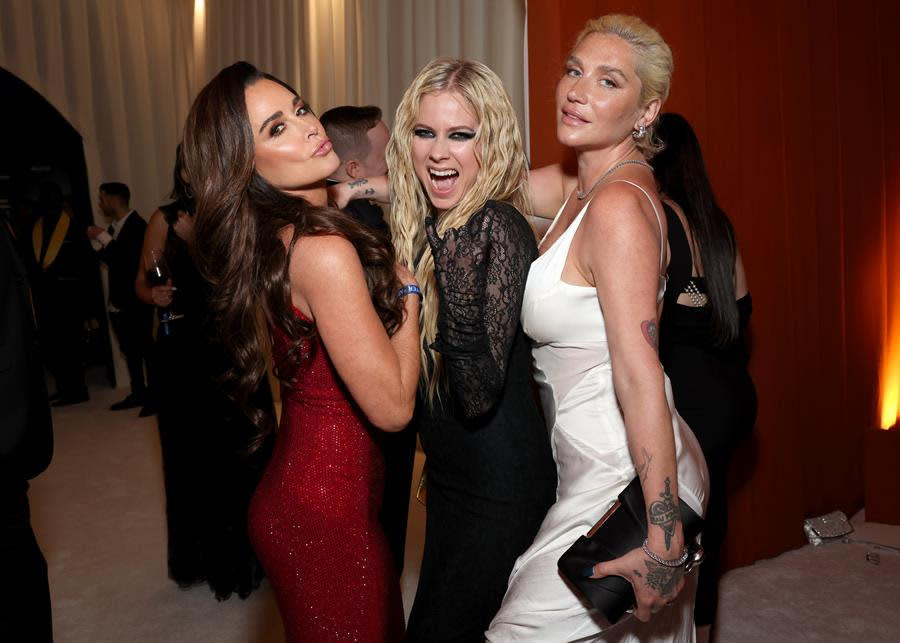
column 675, row 562
column 410, row 289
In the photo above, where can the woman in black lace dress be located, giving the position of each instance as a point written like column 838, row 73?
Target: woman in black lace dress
column 457, row 173
column 208, row 475
column 707, row 308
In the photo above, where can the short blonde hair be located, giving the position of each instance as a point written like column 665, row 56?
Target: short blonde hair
column 503, row 171
column 654, row 63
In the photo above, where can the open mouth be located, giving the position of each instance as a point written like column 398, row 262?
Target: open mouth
column 443, row 181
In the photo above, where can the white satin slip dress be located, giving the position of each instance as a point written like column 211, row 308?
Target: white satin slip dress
column 590, row 447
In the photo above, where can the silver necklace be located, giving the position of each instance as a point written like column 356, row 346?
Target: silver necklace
column 582, row 195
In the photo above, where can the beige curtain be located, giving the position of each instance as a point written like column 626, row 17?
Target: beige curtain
column 123, row 72
column 339, row 52
column 117, row 71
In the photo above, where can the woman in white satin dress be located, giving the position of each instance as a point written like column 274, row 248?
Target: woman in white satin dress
column 591, row 306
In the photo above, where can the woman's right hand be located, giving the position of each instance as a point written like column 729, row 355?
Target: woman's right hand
column 655, row 586
column 162, row 295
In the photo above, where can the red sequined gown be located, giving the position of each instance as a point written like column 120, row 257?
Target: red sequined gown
column 314, row 517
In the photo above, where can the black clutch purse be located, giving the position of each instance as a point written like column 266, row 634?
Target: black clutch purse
column 620, row 530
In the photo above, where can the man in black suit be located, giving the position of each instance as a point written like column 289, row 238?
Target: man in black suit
column 26, row 446
column 119, row 247
column 59, row 260
column 359, row 137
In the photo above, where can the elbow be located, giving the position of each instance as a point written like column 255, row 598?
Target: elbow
column 478, row 402
column 392, row 417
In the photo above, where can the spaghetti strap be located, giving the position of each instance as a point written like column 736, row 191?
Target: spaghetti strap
column 553, row 223
column 662, row 236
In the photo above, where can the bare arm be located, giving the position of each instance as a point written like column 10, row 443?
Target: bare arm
column 376, row 188
column 548, row 187
column 619, row 252
column 328, row 285
column 154, row 239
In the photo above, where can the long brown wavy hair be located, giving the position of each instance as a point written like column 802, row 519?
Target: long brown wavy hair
column 237, row 246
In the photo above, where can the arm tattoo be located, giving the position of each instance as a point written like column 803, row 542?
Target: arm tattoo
column 661, row 578
column 644, row 469
column 663, row 513
column 358, row 182
column 650, row 330
column 369, row 191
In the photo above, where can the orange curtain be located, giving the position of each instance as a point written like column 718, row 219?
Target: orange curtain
column 795, row 104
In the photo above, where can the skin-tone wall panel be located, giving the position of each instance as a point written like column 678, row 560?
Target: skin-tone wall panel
column 862, row 144
column 760, row 132
column 824, row 156
column 724, row 160
column 794, row 104
column 792, row 28
column 888, row 17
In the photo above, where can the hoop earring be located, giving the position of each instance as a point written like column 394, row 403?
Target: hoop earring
column 639, row 132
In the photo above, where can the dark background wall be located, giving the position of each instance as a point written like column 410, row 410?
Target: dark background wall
column 796, row 105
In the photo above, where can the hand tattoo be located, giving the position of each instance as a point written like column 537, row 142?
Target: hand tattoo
column 664, row 514
column 358, row 182
column 644, row 469
column 661, row 578
column 651, row 332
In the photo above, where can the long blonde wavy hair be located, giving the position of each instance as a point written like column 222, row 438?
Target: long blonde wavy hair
column 503, row 171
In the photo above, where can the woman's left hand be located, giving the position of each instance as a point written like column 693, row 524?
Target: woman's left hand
column 655, row 585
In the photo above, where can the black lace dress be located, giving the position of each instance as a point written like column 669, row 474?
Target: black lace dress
column 713, row 392
column 208, row 479
column 491, row 476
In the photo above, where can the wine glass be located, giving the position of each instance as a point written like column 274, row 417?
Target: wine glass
column 158, row 274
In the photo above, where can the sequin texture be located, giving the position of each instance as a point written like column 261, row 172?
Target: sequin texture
column 314, row 516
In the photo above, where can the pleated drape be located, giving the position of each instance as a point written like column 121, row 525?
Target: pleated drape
column 117, row 71
column 366, row 51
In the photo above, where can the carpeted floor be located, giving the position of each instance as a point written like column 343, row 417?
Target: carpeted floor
column 98, row 513
column 826, row 593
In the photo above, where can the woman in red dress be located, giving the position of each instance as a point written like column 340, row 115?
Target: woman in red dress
column 345, row 346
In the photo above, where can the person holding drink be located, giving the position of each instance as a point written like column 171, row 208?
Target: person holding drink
column 208, row 480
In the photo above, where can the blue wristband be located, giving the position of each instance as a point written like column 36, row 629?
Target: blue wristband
column 410, row 289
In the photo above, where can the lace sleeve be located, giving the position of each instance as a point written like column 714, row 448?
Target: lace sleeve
column 481, row 271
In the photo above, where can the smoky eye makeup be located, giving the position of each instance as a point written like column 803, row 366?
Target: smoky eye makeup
column 423, row 132
column 462, row 135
